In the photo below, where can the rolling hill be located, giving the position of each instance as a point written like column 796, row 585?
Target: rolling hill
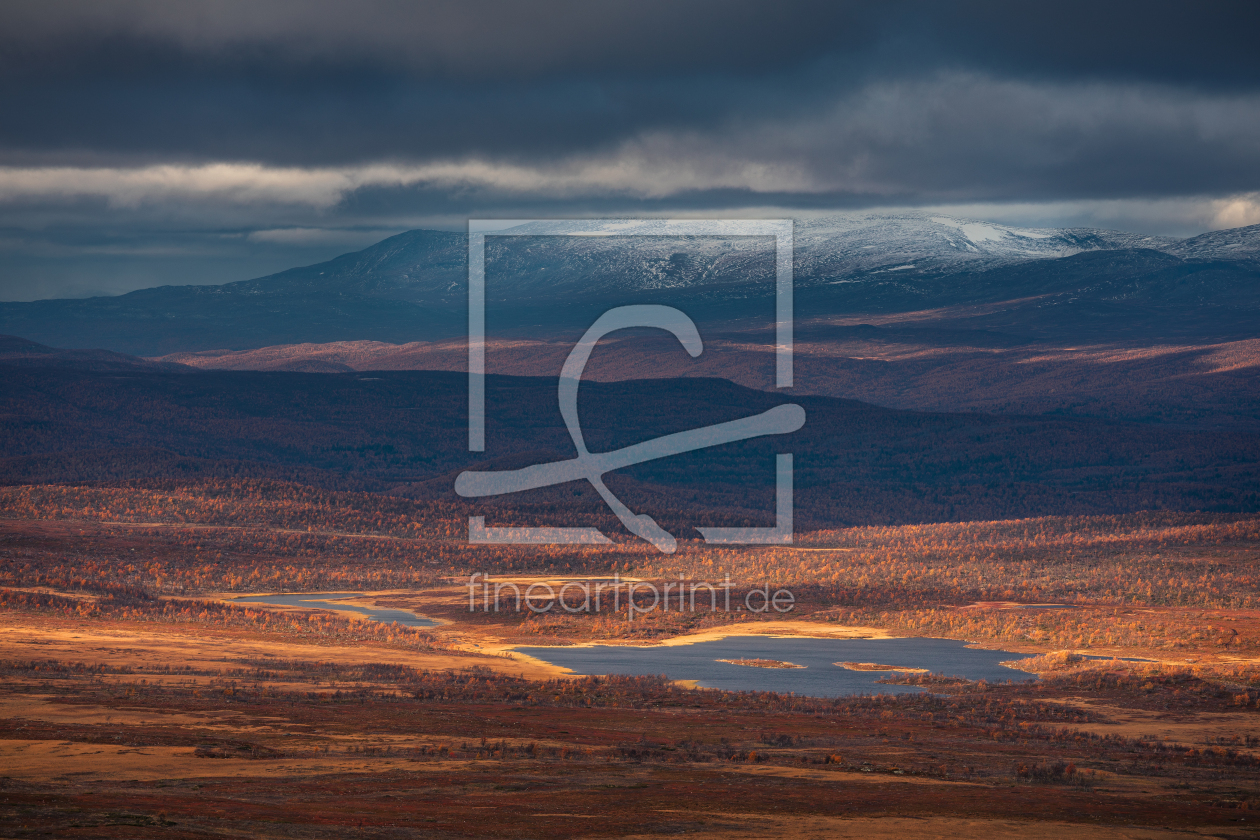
column 1075, row 284
column 405, row 433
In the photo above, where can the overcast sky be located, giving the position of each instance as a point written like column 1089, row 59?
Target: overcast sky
column 148, row 143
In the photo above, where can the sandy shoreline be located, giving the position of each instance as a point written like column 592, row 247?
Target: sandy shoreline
column 490, row 644
column 772, row 629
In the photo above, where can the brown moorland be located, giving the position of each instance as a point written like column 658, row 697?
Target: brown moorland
column 136, row 698
column 898, row 361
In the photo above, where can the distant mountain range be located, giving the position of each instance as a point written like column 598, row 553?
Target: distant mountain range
column 1003, row 372
column 1012, row 284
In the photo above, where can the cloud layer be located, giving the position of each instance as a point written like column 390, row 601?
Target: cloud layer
column 147, row 127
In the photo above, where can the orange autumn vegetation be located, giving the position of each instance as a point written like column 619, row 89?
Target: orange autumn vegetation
column 1159, row 581
column 310, row 625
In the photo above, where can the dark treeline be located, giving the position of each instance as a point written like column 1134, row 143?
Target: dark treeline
column 405, row 433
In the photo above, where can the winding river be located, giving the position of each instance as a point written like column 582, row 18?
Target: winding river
column 332, row 601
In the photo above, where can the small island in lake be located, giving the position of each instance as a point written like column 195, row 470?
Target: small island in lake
column 872, row 666
column 761, row 663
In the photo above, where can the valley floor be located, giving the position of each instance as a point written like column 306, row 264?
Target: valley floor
column 137, row 700
column 117, row 728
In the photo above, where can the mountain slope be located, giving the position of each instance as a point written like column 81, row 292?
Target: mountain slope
column 844, row 246
column 18, row 352
column 412, row 287
column 1233, row 244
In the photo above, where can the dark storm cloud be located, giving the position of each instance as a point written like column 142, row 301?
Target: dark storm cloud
column 1171, row 41
column 338, row 82
column 179, row 126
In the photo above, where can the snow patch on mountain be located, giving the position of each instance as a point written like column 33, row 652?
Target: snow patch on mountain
column 1234, row 244
column 620, row 255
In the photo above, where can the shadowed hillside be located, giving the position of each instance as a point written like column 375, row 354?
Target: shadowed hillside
column 405, row 432
column 900, row 362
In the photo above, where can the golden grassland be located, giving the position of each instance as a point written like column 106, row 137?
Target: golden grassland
column 1175, row 586
column 137, row 698
column 208, row 734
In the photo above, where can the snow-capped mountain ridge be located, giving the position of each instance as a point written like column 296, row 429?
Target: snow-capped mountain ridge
column 657, row 254
column 413, row 286
column 835, row 247
column 844, row 246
